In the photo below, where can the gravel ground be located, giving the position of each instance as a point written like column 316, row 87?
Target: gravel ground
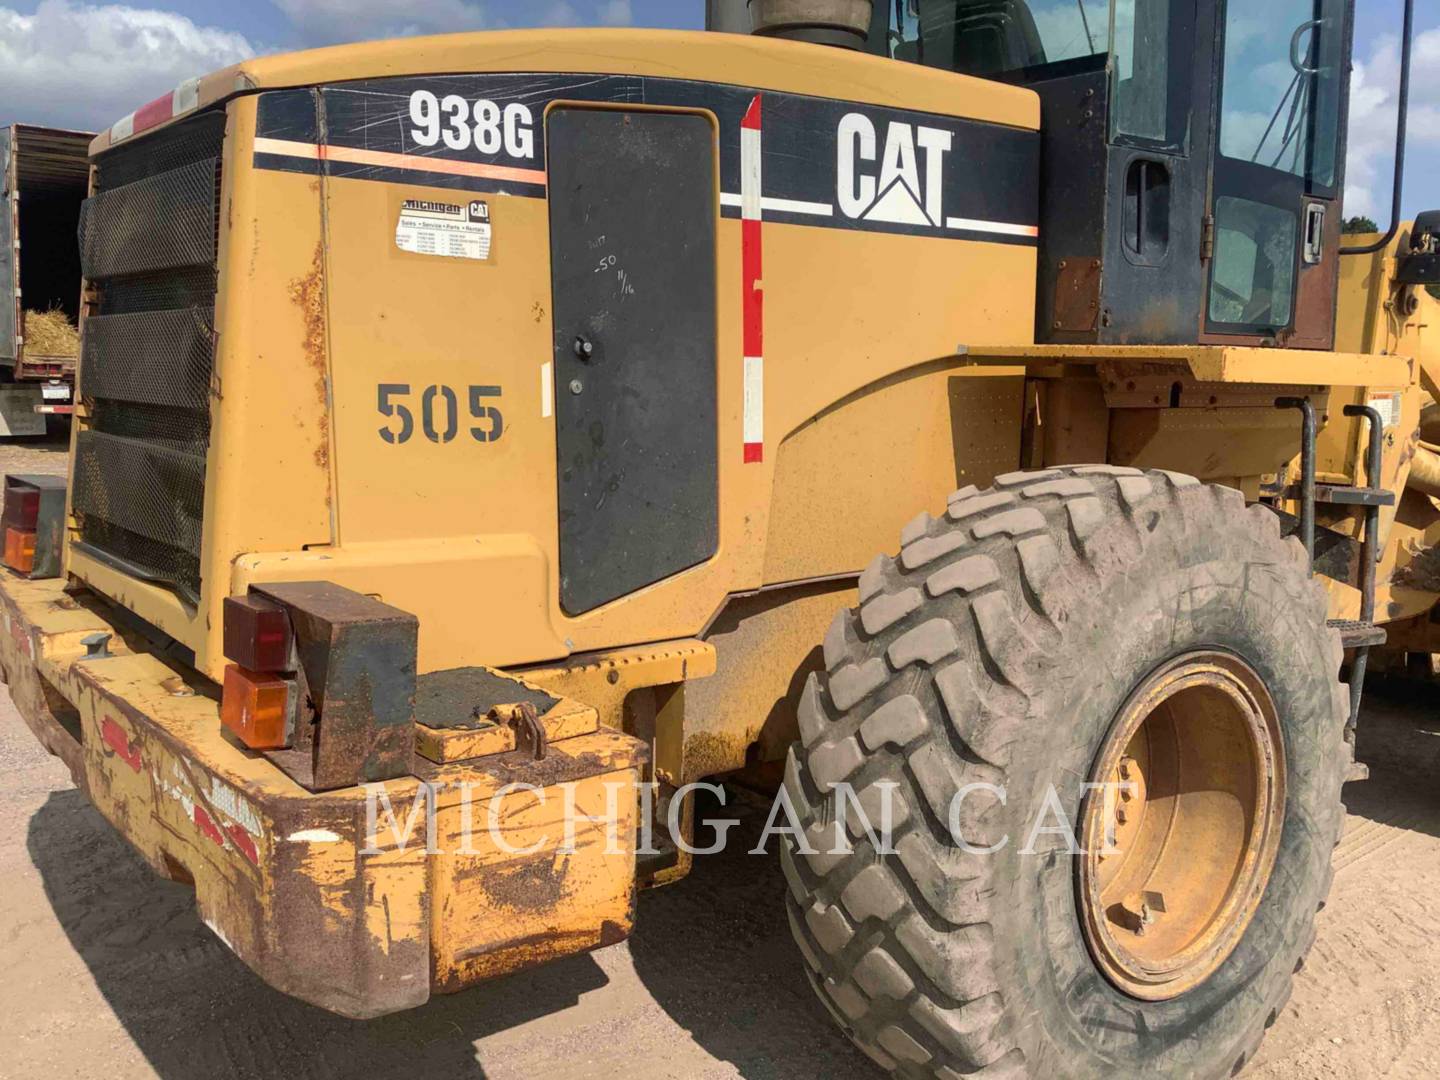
column 46, row 454
column 105, row 971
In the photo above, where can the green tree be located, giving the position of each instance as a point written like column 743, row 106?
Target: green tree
column 1361, row 225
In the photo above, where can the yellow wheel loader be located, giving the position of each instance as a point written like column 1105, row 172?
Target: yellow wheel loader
column 477, row 437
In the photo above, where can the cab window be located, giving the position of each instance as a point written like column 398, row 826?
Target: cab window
column 1281, row 88
column 993, row 37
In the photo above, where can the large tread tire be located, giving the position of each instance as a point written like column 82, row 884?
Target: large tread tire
column 995, row 649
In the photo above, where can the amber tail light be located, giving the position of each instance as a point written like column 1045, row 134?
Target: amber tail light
column 257, row 708
column 260, row 698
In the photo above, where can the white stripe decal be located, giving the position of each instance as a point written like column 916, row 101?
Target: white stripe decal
column 186, row 97
column 122, row 128
column 547, row 389
column 750, row 183
column 797, row 206
column 789, row 206
column 314, row 836
column 1000, row 228
column 814, row 209
column 754, row 399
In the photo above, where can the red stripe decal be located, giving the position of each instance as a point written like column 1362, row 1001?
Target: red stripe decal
column 754, row 452
column 752, row 115
column 115, row 738
column 244, row 842
column 208, row 827
column 155, row 112
column 754, row 288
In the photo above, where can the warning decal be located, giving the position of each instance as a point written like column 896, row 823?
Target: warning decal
column 438, row 228
column 1388, row 406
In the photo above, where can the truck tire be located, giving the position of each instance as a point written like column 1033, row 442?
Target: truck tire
column 1010, row 644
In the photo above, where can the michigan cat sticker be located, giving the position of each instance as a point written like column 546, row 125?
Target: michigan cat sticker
column 448, row 229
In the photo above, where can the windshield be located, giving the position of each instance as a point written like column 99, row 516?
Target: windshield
column 1281, row 92
column 990, row 37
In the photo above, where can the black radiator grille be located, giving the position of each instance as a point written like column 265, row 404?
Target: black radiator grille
column 148, row 240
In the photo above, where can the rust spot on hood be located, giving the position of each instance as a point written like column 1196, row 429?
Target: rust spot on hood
column 308, row 294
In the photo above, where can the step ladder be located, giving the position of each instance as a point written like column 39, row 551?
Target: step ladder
column 1359, row 635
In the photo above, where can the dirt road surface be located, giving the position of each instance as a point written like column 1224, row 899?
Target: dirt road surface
column 105, row 971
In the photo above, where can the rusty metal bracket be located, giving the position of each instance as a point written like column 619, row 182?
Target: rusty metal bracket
column 529, row 732
column 357, row 657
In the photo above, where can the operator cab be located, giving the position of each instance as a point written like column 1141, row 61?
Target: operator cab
column 1175, row 208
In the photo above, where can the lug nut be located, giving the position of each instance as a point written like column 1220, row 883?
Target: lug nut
column 1138, row 911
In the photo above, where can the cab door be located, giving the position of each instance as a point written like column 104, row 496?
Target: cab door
column 1274, row 219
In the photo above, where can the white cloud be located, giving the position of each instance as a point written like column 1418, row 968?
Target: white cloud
column 616, row 13
column 326, row 22
column 74, row 65
column 1374, row 94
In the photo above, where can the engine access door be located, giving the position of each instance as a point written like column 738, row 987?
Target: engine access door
column 632, row 246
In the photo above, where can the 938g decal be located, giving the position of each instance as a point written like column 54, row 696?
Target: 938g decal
column 460, row 124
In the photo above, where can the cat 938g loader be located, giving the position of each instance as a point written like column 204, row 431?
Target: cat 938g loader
column 477, row 437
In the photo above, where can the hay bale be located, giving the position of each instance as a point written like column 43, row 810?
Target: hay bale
column 50, row 333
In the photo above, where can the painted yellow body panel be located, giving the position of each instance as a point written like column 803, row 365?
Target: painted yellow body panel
column 318, row 307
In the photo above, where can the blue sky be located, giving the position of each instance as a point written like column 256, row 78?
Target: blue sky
column 75, row 64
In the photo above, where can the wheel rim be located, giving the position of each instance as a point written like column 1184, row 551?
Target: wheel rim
column 1180, row 841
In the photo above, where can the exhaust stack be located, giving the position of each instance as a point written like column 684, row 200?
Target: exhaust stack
column 845, row 23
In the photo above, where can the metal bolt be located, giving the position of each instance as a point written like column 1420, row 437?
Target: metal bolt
column 97, row 645
column 1122, row 815
column 576, row 386
column 1126, row 764
column 584, row 349
column 177, row 687
column 1138, row 912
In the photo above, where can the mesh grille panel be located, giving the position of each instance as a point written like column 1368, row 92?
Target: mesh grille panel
column 193, row 287
column 158, row 223
column 148, row 241
column 154, row 358
column 185, row 430
column 185, row 143
column 142, row 558
column 150, row 491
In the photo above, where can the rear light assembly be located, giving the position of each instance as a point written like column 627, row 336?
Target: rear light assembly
column 322, row 680
column 33, row 524
column 261, row 694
